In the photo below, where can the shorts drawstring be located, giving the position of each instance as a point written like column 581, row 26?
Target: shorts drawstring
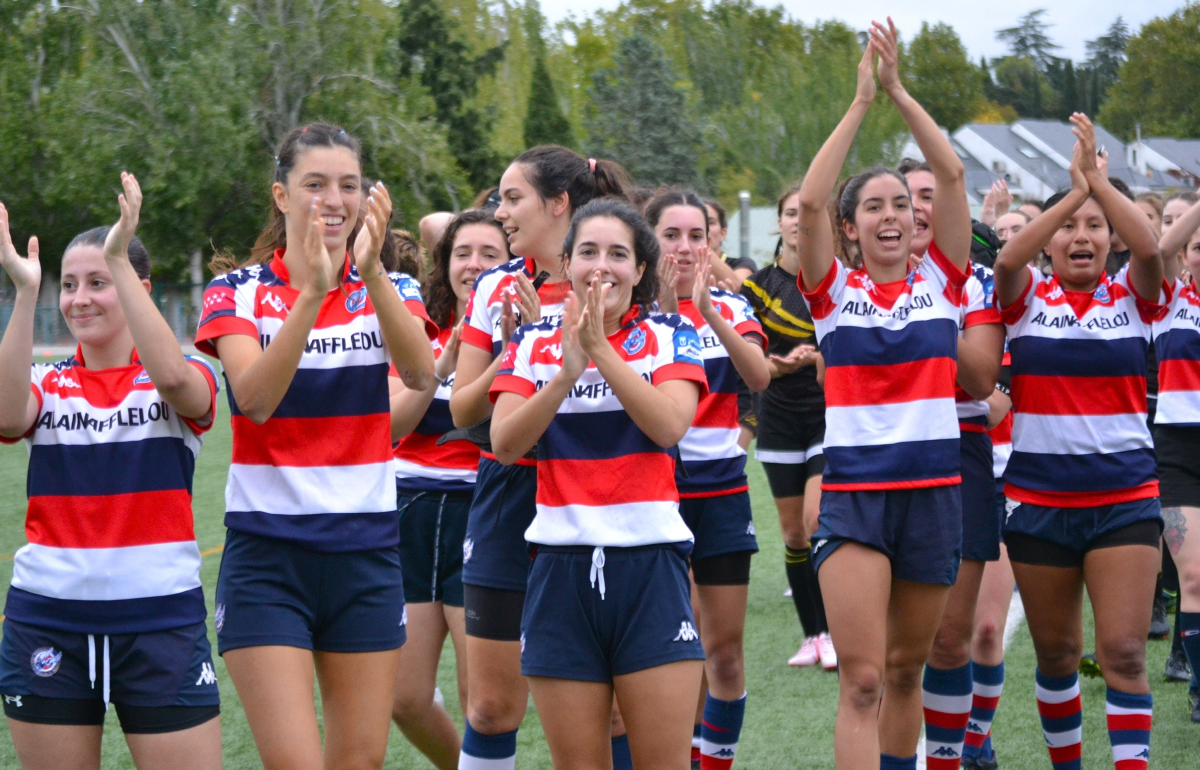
column 598, row 569
column 437, row 547
column 92, row 667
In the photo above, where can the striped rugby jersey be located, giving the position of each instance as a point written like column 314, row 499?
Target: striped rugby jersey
column 320, row 471
column 1079, row 394
column 486, row 306
column 891, row 353
column 421, row 464
column 980, row 308
column 1177, row 343
column 111, row 545
column 601, row 481
column 712, row 460
column 1001, row 435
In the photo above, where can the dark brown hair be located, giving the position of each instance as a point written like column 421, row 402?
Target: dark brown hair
column 645, row 245
column 400, row 253
column 274, row 235
column 553, row 170
column 138, row 256
column 673, row 196
column 440, row 299
column 721, row 216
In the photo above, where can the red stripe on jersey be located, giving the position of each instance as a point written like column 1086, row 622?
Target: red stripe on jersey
column 313, row 442
column 1175, row 374
column 986, row 316
column 424, row 451
column 880, row 485
column 522, row 461
column 221, row 327
column 110, row 521
column 1002, row 433
column 890, row 383
column 636, row 478
column 714, row 493
column 477, row 338
column 820, row 304
column 717, row 410
column 971, row 427
column 1059, row 395
column 752, row 327
column 510, row 383
column 1081, row 499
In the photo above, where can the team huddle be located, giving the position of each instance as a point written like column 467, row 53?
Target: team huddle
column 531, row 437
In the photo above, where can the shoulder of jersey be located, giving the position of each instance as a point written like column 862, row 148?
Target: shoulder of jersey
column 981, row 273
column 514, row 265
column 541, row 328
column 673, row 320
column 249, row 274
column 728, row 296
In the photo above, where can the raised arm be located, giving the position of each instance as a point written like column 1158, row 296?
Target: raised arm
column 18, row 405
column 951, row 213
column 181, row 385
column 816, row 231
column 403, row 333
column 1145, row 264
column 745, row 355
column 1009, row 273
column 260, row 378
column 1175, row 239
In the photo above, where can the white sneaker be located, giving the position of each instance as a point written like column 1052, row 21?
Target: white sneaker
column 808, row 654
column 788, row 592
column 828, row 654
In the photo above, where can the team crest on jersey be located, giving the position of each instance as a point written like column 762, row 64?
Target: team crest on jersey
column 468, row 549
column 45, row 661
column 1101, row 294
column 219, row 617
column 142, row 379
column 634, row 342
column 356, row 301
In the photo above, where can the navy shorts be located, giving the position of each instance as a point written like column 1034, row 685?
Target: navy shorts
column 432, row 528
column 919, row 530
column 1039, row 534
column 980, row 522
column 169, row 668
column 721, row 524
column 495, row 554
column 643, row 620
column 276, row 592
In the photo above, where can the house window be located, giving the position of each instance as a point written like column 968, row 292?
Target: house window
column 1028, row 152
column 999, row 167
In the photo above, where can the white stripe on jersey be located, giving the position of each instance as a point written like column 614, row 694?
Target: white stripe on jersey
column 926, row 420
column 618, row 526
column 709, row 444
column 407, row 470
column 287, row 491
column 1078, row 434
column 1178, row 406
column 103, row 574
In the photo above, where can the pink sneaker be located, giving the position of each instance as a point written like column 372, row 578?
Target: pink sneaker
column 828, row 654
column 808, row 655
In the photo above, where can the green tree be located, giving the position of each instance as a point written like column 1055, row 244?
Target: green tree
column 1154, row 87
column 1069, row 101
column 433, row 52
column 1105, row 56
column 544, row 120
column 1025, row 88
column 941, row 77
column 1028, row 39
column 640, row 118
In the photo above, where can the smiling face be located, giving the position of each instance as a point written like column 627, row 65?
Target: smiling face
column 716, row 233
column 332, row 175
column 1079, row 249
column 476, row 248
column 606, row 244
column 883, row 222
column 1009, row 225
column 921, row 183
column 88, row 299
column 535, row 227
column 680, row 231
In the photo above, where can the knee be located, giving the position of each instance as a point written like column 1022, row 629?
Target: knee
column 861, row 686
column 1189, row 580
column 1058, row 657
column 410, row 708
column 1124, row 659
column 904, row 678
column 492, row 715
column 726, row 663
column 987, row 638
column 360, row 758
column 951, row 648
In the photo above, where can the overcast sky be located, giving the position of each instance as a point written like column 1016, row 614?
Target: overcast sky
column 1075, row 21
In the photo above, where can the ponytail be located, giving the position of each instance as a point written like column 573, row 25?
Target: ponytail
column 554, row 170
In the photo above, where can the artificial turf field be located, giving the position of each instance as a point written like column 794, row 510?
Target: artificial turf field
column 790, row 713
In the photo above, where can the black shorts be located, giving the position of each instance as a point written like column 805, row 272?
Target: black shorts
column 791, row 449
column 433, row 526
column 747, row 404
column 1178, row 451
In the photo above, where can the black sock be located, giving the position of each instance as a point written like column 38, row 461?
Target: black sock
column 1176, row 638
column 818, row 598
column 1170, row 573
column 801, row 579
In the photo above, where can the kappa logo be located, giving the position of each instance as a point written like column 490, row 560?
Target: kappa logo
column 724, row 753
column 207, row 675
column 522, row 644
column 272, row 299
column 1144, row 753
column 1010, row 505
column 555, row 350
column 634, row 342
column 687, row 633
column 65, row 381
column 1054, row 293
column 404, row 616
column 818, row 546
column 45, row 661
column 750, row 530
column 14, row 700
column 468, row 549
column 219, row 617
column 945, row 751
column 973, row 727
column 356, row 301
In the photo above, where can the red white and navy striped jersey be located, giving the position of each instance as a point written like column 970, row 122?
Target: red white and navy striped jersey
column 891, row 354
column 1079, row 394
column 980, row 307
column 423, row 465
column 1177, row 343
column 713, row 462
column 486, row 305
column 601, row 481
column 1002, row 434
column 320, row 471
column 111, row 545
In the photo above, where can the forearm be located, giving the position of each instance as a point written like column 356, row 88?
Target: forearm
column 722, row 272
column 259, row 387
column 1175, row 239
column 403, row 334
column 942, row 159
column 469, row 402
column 978, row 369
column 747, row 357
column 16, row 359
column 516, row 430
column 408, row 407
column 661, row 418
column 998, row 405
column 1010, row 274
column 1127, row 220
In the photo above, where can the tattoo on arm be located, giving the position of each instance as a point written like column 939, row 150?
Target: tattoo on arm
column 804, row 230
column 1174, row 528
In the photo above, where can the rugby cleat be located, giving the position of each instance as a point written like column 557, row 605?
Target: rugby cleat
column 808, row 655
column 828, row 654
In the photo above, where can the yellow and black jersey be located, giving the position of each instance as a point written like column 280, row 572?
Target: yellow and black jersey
column 784, row 316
